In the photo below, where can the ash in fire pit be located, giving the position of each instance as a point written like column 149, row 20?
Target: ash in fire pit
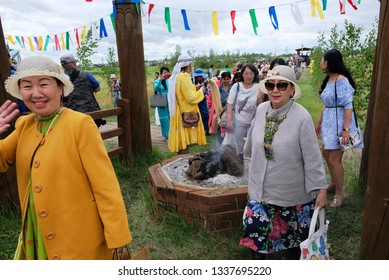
column 223, row 160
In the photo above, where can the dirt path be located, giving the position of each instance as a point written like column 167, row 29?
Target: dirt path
column 156, row 136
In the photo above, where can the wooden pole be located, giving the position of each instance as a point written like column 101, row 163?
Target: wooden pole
column 8, row 184
column 129, row 40
column 375, row 230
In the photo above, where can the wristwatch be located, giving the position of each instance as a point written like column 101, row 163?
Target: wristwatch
column 346, row 129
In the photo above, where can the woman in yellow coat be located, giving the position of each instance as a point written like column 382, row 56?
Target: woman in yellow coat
column 183, row 97
column 71, row 202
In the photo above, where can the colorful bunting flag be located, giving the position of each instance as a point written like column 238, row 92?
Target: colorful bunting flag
column 324, row 5
column 315, row 5
column 215, row 23
column 185, row 18
column 113, row 21
column 48, row 39
column 254, row 21
column 342, row 4
column 273, row 17
column 30, row 44
column 298, row 18
column 56, row 42
column 77, row 38
column 11, row 40
column 151, row 7
column 233, row 14
column 103, row 31
column 167, row 19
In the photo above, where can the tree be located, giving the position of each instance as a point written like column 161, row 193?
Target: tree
column 87, row 49
column 111, row 66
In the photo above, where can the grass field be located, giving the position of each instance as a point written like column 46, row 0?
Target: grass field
column 169, row 237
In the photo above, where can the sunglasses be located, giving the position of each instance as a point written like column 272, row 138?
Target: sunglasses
column 264, row 72
column 281, row 86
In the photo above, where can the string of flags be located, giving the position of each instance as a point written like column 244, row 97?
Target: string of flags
column 64, row 40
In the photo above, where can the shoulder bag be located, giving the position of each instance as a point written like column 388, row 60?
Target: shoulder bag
column 158, row 100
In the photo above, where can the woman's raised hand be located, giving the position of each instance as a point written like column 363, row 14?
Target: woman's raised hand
column 8, row 111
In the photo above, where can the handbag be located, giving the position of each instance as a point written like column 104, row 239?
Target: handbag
column 355, row 140
column 124, row 253
column 158, row 100
column 222, row 118
column 315, row 247
column 355, row 137
column 190, row 119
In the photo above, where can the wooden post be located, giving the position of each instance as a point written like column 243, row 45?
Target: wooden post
column 375, row 230
column 129, row 40
column 8, row 184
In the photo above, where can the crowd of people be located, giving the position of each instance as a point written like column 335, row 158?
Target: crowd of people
column 61, row 189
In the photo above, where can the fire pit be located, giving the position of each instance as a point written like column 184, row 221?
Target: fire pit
column 215, row 203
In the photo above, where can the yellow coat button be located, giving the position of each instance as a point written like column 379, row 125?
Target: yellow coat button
column 43, row 213
column 55, row 257
column 37, row 188
column 36, row 163
column 50, row 235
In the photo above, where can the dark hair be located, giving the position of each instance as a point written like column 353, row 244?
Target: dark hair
column 226, row 74
column 335, row 65
column 164, row 81
column 278, row 61
column 253, row 69
column 236, row 78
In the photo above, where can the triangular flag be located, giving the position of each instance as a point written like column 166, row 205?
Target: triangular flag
column 57, row 44
column 167, row 19
column 254, row 21
column 151, row 6
column 185, row 18
column 40, row 43
column 298, row 18
column 11, row 40
column 273, row 17
column 233, row 14
column 315, row 5
column 31, row 44
column 48, row 39
column 103, row 31
column 67, row 40
column 83, row 34
column 113, row 21
column 77, row 38
column 215, row 23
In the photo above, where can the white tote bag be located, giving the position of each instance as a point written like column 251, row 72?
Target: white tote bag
column 315, row 247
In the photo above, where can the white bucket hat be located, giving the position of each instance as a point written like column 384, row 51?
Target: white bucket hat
column 284, row 73
column 113, row 76
column 37, row 66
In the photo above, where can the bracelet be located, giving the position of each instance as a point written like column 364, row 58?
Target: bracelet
column 346, row 129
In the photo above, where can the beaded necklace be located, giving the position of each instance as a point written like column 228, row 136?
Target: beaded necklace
column 271, row 127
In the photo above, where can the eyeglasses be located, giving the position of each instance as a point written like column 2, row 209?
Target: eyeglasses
column 281, row 86
column 264, row 72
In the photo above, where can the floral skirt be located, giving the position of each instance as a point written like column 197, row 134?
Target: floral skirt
column 270, row 228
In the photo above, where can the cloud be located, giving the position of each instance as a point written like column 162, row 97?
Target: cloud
column 49, row 17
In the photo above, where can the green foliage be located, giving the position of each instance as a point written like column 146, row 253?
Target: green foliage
column 358, row 55
column 110, row 67
column 87, row 49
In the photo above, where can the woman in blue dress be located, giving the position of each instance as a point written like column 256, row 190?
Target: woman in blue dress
column 337, row 119
column 161, row 86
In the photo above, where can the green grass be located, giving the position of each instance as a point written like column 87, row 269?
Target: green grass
column 169, row 237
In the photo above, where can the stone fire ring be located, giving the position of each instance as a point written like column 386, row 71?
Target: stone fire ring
column 217, row 207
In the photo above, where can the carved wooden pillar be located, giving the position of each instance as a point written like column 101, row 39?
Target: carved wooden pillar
column 8, row 184
column 375, row 231
column 129, row 40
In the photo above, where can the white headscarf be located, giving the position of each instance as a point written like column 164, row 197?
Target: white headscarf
column 183, row 61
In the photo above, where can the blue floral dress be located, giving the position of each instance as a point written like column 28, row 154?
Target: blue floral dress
column 330, row 132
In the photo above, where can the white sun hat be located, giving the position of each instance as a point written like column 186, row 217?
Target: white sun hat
column 284, row 73
column 37, row 66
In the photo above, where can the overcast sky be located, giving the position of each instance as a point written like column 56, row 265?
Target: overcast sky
column 48, row 17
